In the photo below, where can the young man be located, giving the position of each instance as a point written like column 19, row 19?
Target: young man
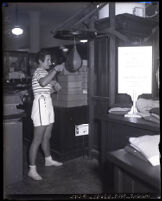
column 42, row 112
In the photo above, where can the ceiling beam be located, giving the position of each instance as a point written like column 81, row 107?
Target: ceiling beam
column 74, row 18
column 112, row 31
column 90, row 14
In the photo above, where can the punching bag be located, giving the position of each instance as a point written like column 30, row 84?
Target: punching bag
column 73, row 61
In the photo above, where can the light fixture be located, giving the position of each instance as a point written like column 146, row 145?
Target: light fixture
column 17, row 30
column 63, row 48
column 83, row 41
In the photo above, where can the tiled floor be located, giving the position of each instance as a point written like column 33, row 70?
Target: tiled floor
column 77, row 176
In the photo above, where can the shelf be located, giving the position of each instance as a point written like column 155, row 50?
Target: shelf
column 129, row 25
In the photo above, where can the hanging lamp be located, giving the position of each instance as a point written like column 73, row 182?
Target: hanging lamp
column 17, row 30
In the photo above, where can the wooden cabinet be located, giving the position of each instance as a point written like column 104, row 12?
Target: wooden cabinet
column 116, row 130
column 114, row 134
column 64, row 144
column 133, row 175
column 13, row 150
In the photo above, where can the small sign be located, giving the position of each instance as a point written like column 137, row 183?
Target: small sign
column 82, row 129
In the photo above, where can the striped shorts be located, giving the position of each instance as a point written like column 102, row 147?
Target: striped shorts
column 42, row 110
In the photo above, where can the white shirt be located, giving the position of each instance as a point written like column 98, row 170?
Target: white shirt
column 37, row 88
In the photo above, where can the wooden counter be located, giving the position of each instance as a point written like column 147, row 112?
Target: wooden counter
column 134, row 175
column 115, row 133
column 13, row 148
column 14, row 116
column 116, row 130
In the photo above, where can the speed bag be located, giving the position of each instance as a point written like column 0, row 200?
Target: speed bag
column 73, row 60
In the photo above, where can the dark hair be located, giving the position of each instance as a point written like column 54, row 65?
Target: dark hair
column 57, row 57
column 42, row 54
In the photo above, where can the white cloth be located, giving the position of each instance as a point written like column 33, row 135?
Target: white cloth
column 145, row 105
column 119, row 110
column 147, row 145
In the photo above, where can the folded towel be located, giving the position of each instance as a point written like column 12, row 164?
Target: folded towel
column 145, row 105
column 148, row 145
column 119, row 110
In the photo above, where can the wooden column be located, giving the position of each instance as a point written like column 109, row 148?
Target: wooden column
column 112, row 57
column 156, row 62
column 91, row 89
column 91, row 93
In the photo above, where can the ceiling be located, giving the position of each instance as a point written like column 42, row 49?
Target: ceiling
column 51, row 16
column 58, row 12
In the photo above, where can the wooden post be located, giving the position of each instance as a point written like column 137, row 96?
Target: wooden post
column 112, row 57
column 91, row 82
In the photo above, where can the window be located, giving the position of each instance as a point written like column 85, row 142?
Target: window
column 135, row 73
column 135, row 70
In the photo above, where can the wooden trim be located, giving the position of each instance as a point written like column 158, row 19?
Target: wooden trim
column 100, row 98
column 112, row 55
column 111, row 31
column 91, row 78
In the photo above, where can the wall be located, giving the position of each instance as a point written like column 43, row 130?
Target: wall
column 37, row 33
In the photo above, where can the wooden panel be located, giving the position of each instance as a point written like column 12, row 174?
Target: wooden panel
column 101, row 66
column 64, row 144
column 115, row 133
column 112, row 55
column 133, row 175
column 92, row 84
column 120, row 134
column 13, row 149
column 101, row 72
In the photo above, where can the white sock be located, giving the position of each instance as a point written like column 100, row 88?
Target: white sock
column 48, row 158
column 33, row 173
column 32, row 167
